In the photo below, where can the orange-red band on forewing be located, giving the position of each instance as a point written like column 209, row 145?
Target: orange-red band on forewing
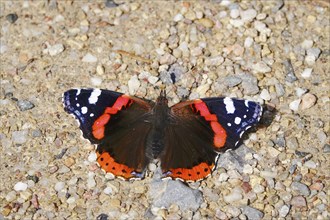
column 196, row 173
column 220, row 134
column 108, row 164
column 99, row 125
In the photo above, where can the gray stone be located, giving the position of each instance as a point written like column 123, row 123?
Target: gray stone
column 315, row 52
column 249, row 84
column 24, row 105
column 280, row 91
column 298, row 201
column 232, row 81
column 167, row 192
column 284, row 211
column 20, row 137
column 234, row 159
column 12, row 18
column 326, row 148
column 300, row 188
column 252, row 213
column 290, row 75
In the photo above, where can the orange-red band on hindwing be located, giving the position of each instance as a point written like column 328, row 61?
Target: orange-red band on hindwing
column 108, row 164
column 220, row 134
column 197, row 172
column 98, row 127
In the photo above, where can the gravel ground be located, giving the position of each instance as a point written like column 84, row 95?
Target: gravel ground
column 273, row 52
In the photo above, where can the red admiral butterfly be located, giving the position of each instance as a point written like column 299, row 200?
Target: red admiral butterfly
column 130, row 132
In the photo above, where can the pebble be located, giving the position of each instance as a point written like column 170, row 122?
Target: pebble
column 316, row 186
column 310, row 164
column 96, row 81
column 326, row 148
column 223, row 177
column 89, row 58
column 92, row 157
column 233, row 211
column 284, row 211
column 24, row 105
column 248, row 15
column 133, row 84
column 100, row 70
column 165, row 193
column 91, row 181
column 307, row 101
column 294, row 105
column 232, row 81
column 265, row 95
column 300, row 188
column 178, row 17
column 306, row 44
column 235, row 195
column 214, row 61
column 206, row 22
column 298, row 202
column 315, row 52
column 20, row 186
column 59, row 186
column 252, row 213
column 234, row 13
column 11, row 196
column 19, row 137
column 307, row 73
column 153, row 79
column 290, row 75
column 55, row 49
column 300, row 91
column 12, row 18
column 261, row 67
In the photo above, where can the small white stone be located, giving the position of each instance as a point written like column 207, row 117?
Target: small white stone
column 20, row 186
column 235, row 195
column 306, row 44
column 234, row 13
column 59, row 186
column 307, row 101
column 223, row 177
column 310, row 60
column 71, row 200
column 202, row 89
column 265, row 95
column 11, row 196
column 89, row 58
column 92, row 157
column 248, row 42
column 310, row 164
column 236, row 22
column 178, row 17
column 96, row 81
column 284, row 211
column 133, row 84
column 248, row 169
column 108, row 190
column 294, row 105
column 153, row 79
column 261, row 67
column 300, row 91
column 100, row 70
column 55, row 49
column 307, row 73
column 268, row 174
column 248, row 15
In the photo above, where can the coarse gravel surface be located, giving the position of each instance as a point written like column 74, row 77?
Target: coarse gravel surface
column 273, row 52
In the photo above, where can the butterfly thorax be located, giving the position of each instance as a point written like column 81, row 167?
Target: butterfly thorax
column 159, row 121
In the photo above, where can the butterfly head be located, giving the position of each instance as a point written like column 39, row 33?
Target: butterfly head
column 162, row 100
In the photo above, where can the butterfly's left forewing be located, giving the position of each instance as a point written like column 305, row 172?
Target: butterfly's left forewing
column 199, row 129
column 116, row 123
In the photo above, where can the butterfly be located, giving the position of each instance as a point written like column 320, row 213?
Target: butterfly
column 130, row 132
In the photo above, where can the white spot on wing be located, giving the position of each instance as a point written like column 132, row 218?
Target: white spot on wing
column 91, row 115
column 84, row 110
column 78, row 92
column 230, row 108
column 77, row 105
column 229, row 124
column 244, row 116
column 238, row 120
column 246, row 103
column 94, row 96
